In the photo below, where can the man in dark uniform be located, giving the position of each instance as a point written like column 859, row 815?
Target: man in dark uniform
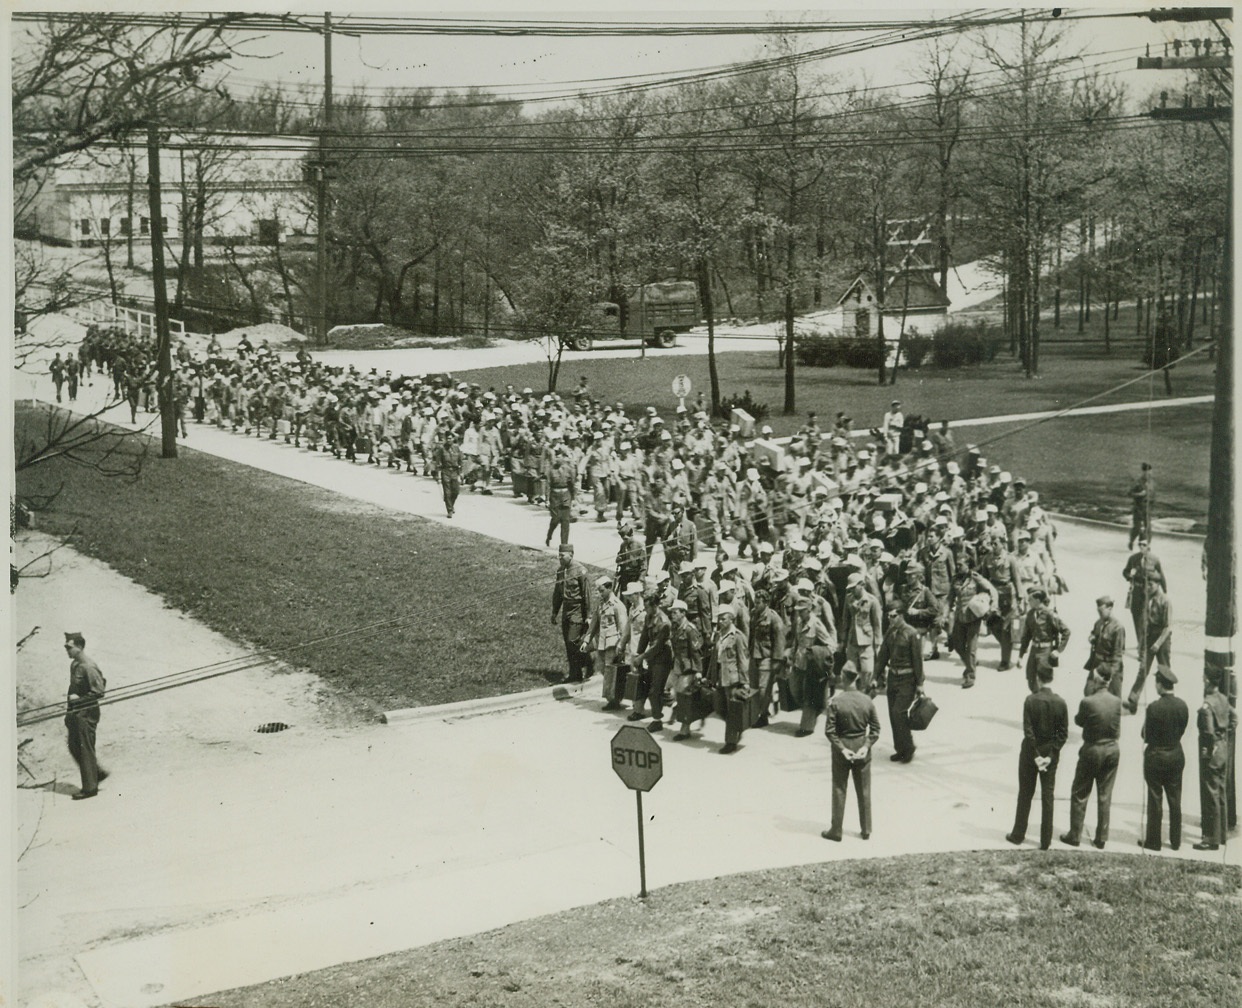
column 571, row 599
column 899, row 668
column 1045, row 728
column 1142, row 500
column 1045, row 634
column 448, row 465
column 86, row 689
column 1099, row 717
column 1217, row 722
column 1164, row 761
column 1155, row 641
column 656, row 656
column 767, row 650
column 1142, row 569
column 1108, row 646
column 853, row 727
column 632, row 556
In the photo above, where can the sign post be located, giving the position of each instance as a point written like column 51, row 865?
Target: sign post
column 681, row 389
column 637, row 760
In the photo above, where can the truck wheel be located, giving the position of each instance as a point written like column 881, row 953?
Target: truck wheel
column 665, row 338
column 581, row 342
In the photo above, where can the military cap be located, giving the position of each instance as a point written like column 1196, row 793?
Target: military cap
column 1104, row 600
column 566, row 548
column 1165, row 674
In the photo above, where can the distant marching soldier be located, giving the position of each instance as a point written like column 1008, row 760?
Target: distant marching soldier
column 1155, row 641
column 1142, row 569
column 448, row 464
column 571, row 604
column 1044, row 634
column 1142, row 500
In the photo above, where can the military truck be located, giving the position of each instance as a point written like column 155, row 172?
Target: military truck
column 655, row 313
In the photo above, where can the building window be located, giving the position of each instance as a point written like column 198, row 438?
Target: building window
column 144, row 225
column 85, row 224
column 164, row 224
column 269, row 231
column 127, row 226
column 862, row 323
column 105, row 226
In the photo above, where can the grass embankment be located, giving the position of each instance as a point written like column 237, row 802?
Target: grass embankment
column 942, row 931
column 272, row 563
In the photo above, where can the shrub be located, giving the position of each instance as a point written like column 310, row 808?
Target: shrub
column 831, row 351
column 758, row 411
column 961, row 344
column 915, row 348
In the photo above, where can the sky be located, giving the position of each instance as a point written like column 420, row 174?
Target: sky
column 535, row 66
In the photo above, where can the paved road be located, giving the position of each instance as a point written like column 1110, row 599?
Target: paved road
column 218, row 857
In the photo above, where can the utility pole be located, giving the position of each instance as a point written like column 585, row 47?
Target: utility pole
column 168, row 421
column 1220, row 623
column 321, row 191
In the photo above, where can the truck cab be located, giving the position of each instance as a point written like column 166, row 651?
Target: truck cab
column 654, row 313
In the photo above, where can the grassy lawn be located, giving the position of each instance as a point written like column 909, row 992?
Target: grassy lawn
column 272, row 562
column 1069, row 375
column 942, row 931
column 1085, row 465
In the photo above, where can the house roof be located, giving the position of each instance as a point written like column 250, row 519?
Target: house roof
column 920, row 293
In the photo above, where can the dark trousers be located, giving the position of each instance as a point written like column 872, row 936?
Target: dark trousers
column 1036, row 659
column 659, row 680
column 82, row 724
column 842, row 771
column 1212, row 771
column 450, row 483
column 1097, row 767
column 1027, row 774
column 1163, row 656
column 1162, row 771
column 580, row 664
column 900, row 697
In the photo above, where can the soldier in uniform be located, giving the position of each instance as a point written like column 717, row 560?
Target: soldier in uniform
column 86, row 689
column 608, row 628
column 1155, row 640
column 1045, row 728
column 767, row 650
column 631, row 557
column 562, row 489
column 448, row 465
column 1164, row 761
column 1142, row 500
column 1217, row 723
column 686, row 646
column 998, row 566
column 1044, row 634
column 732, row 673
column 654, row 655
column 571, row 601
column 1099, row 717
column 861, row 629
column 1143, row 568
column 853, row 727
column 1108, row 645
column 899, row 671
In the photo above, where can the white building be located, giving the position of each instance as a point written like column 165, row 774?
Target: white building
column 251, row 192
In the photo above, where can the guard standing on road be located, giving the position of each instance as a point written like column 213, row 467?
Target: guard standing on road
column 1142, row 569
column 853, row 727
column 1217, row 723
column 1142, row 500
column 1155, row 641
column 1108, row 646
column 86, row 689
column 899, row 671
column 1164, row 761
column 1099, row 717
column 571, row 599
column 1045, row 727
column 1045, row 634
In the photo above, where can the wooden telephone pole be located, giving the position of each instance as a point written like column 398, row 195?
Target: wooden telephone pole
column 164, row 385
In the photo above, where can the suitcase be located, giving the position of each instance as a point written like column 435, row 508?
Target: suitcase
column 362, row 444
column 637, row 685
column 921, row 713
column 785, row 695
column 284, row 427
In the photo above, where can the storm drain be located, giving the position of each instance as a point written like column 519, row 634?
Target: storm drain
column 271, row 726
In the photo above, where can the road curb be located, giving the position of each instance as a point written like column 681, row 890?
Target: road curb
column 1099, row 522
column 483, row 705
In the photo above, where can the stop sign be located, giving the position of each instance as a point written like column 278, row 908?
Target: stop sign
column 636, row 758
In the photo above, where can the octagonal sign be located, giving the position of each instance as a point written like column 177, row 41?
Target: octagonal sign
column 636, row 758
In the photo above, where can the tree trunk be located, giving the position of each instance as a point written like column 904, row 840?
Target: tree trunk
column 435, row 300
column 1088, row 267
column 1056, row 290
column 1082, row 273
column 790, row 262
column 709, row 310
